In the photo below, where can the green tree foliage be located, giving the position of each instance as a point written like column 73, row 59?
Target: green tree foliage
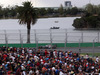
column 74, row 11
column 92, row 21
column 92, row 9
column 50, row 10
column 79, row 23
column 89, row 8
column 1, row 12
column 42, row 11
column 9, row 12
column 13, row 12
column 91, row 18
column 87, row 22
column 27, row 15
column 68, row 11
column 98, row 10
column 61, row 10
column 6, row 12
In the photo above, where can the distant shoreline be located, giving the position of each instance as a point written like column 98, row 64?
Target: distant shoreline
column 45, row 17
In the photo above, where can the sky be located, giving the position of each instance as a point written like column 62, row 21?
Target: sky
column 49, row 3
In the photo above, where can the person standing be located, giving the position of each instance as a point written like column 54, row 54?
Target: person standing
column 18, row 72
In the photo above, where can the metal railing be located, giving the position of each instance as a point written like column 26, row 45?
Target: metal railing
column 49, row 36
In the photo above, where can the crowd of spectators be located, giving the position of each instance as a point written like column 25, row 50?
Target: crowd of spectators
column 29, row 61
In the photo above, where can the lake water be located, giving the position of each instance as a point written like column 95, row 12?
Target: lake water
column 42, row 27
column 42, row 23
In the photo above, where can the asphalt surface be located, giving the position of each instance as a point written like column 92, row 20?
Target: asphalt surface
column 83, row 49
column 79, row 50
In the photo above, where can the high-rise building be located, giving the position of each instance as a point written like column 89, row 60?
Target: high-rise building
column 68, row 4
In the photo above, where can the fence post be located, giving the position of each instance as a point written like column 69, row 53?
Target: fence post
column 22, row 42
column 51, row 38
column 36, row 39
column 79, row 46
column 20, row 35
column 35, row 35
column 65, row 38
column 6, row 39
column 37, row 43
column 82, row 37
column 21, row 38
column 93, row 49
column 98, row 37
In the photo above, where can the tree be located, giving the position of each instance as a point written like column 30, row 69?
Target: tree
column 50, row 10
column 98, row 9
column 68, row 11
column 27, row 15
column 79, row 23
column 92, row 21
column 61, row 10
column 89, row 8
column 74, row 11
column 87, row 22
column 42, row 11
column 13, row 11
column 1, row 13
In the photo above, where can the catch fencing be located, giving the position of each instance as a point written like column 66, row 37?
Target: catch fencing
column 50, row 36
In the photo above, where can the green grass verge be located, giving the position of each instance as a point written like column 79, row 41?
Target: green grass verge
column 58, row 45
column 91, row 54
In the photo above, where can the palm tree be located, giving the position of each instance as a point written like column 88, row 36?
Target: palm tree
column 27, row 15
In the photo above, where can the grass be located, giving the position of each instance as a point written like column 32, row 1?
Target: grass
column 90, row 54
column 58, row 44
